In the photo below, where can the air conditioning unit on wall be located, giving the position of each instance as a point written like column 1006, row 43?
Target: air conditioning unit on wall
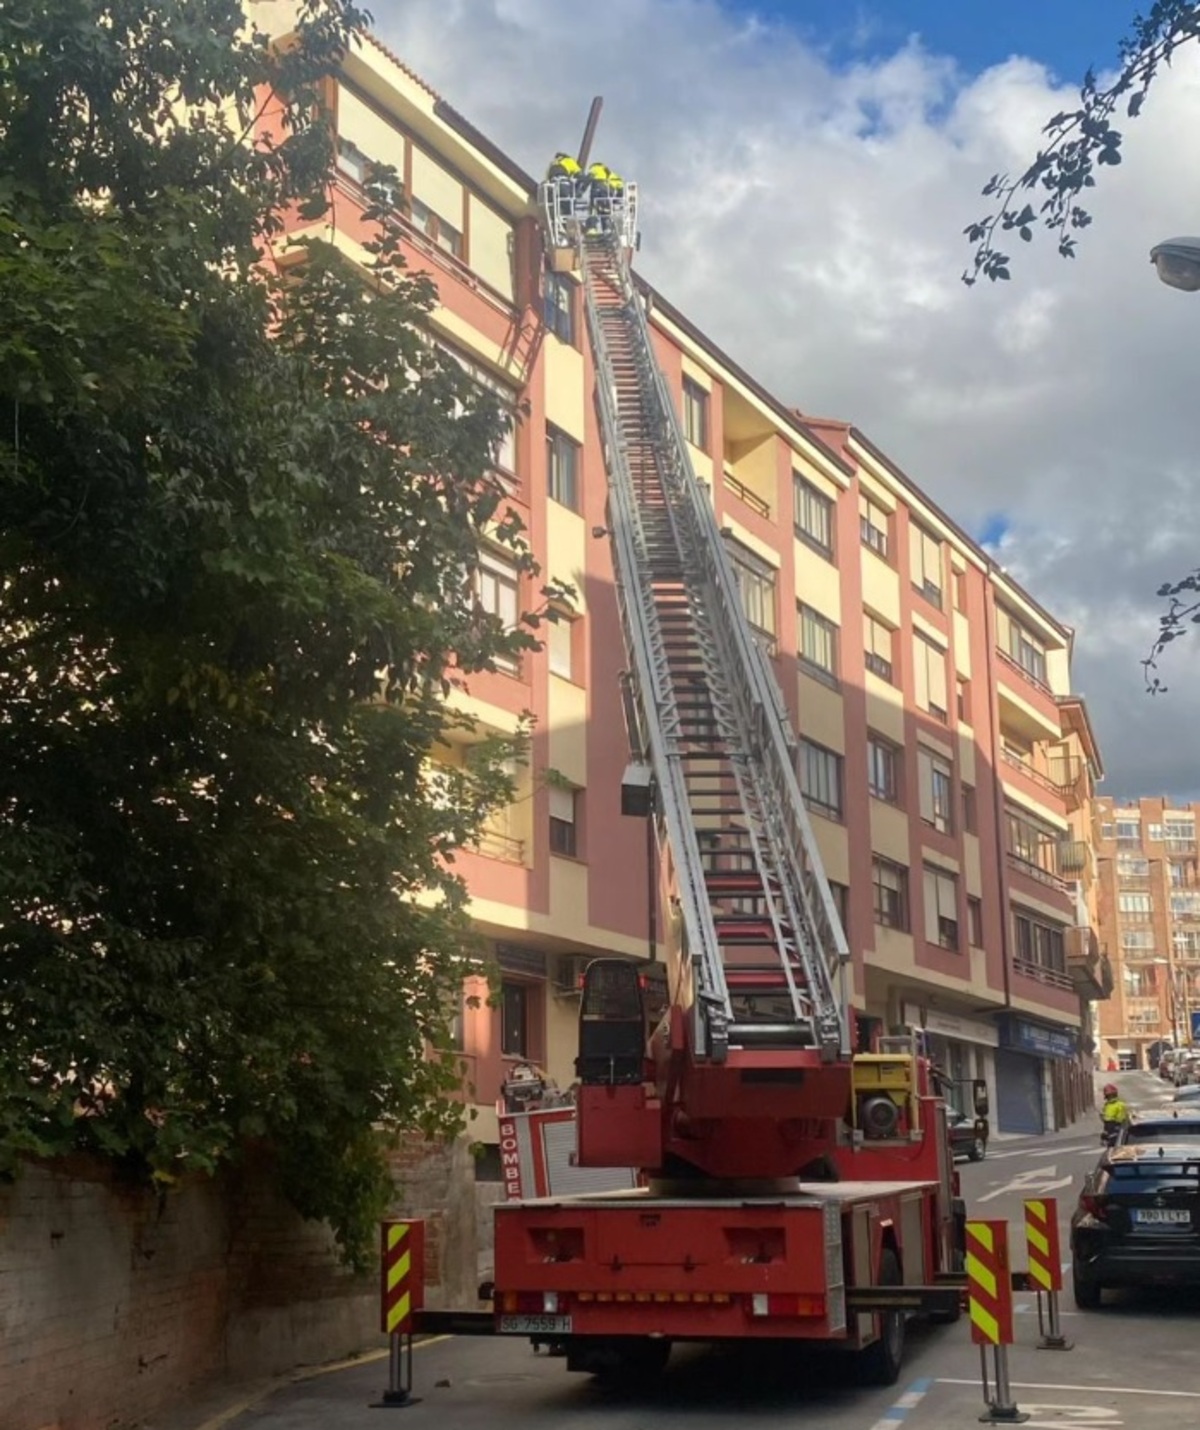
column 568, row 974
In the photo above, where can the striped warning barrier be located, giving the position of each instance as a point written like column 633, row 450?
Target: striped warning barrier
column 989, row 1283
column 1041, row 1240
column 402, row 1275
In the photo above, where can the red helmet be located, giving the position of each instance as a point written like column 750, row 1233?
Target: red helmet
column 1110, row 1089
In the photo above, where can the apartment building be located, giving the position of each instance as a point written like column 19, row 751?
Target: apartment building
column 1149, row 914
column 943, row 755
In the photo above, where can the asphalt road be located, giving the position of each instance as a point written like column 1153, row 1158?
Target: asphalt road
column 1131, row 1365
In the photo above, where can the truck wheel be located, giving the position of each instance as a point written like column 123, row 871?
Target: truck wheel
column 880, row 1362
column 1088, row 1292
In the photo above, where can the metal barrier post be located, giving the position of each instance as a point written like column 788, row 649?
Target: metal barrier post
column 402, row 1292
column 990, row 1305
column 1045, row 1269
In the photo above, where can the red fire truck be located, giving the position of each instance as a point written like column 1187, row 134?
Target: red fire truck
column 792, row 1187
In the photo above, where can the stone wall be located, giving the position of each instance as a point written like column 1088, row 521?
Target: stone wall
column 114, row 1300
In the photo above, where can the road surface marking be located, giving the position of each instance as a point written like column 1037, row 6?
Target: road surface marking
column 1037, row 1179
column 1095, row 1389
column 897, row 1412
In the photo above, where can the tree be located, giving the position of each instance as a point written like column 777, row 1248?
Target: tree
column 1080, row 141
column 240, row 510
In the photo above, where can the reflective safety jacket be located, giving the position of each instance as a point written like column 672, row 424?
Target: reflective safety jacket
column 599, row 172
column 565, row 168
column 1114, row 1110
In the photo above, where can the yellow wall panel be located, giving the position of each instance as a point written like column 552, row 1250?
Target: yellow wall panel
column 566, row 731
column 822, row 717
column 885, row 708
column 817, row 585
column 565, row 389
column 363, row 128
column 890, row 835
column 880, row 588
column 441, row 191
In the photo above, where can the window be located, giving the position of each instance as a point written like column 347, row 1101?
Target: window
column 883, row 769
column 505, row 455
column 1032, row 845
column 514, row 1020
column 960, row 590
column 1185, row 906
column 873, row 525
column 1138, row 939
column 1178, row 874
column 929, row 669
column 818, row 644
column 962, row 692
column 821, row 779
column 814, row 516
column 695, row 414
column 891, row 893
column 925, row 561
column 968, row 810
column 1040, row 948
column 1154, row 832
column 1186, row 941
column 1024, row 648
column 563, row 811
column 353, row 162
column 560, row 643
column 935, row 778
column 841, row 902
column 756, row 582
column 941, row 907
column 1135, row 906
column 1129, row 831
column 1133, row 866
column 974, row 921
column 562, row 468
column 497, row 589
column 558, row 306
column 877, row 646
column 444, row 234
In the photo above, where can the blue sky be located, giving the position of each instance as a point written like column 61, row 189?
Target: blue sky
column 1066, row 35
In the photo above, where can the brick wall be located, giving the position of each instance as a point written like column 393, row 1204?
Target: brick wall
column 113, row 1301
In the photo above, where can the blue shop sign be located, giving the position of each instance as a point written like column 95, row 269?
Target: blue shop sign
column 1034, row 1038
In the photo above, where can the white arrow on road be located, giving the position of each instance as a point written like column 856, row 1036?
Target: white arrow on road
column 1034, row 1182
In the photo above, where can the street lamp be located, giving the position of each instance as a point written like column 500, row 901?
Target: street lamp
column 1177, row 263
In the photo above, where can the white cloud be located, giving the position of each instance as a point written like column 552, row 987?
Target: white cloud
column 810, row 221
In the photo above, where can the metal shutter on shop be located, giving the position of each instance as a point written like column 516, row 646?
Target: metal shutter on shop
column 1019, row 1104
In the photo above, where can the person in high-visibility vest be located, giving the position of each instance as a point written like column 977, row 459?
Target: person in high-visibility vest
column 615, row 189
column 598, row 177
column 1114, row 1115
column 566, row 174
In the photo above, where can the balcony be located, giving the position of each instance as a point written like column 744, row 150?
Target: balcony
column 747, row 495
column 1036, row 871
column 1034, row 678
column 1088, row 964
column 1052, row 977
column 493, row 844
column 1058, row 780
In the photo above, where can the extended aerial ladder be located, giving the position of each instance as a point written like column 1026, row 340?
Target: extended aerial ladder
column 761, row 931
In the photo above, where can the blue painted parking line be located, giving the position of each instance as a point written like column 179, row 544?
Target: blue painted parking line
column 903, row 1405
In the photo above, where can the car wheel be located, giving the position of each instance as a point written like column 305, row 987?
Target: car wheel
column 977, row 1150
column 1088, row 1291
column 880, row 1363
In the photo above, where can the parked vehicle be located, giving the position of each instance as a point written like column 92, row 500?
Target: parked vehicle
column 1188, row 1094
column 1186, row 1069
column 969, row 1135
column 1166, row 1065
column 1138, row 1218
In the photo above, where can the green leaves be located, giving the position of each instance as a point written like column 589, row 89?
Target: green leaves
column 238, row 521
column 1080, row 140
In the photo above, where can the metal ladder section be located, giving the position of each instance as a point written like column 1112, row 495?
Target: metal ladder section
column 765, row 943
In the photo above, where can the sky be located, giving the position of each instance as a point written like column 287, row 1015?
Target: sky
column 806, row 170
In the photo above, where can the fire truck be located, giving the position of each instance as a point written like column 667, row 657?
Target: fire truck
column 789, row 1187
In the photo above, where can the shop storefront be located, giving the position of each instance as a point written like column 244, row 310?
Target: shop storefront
column 1035, row 1082
column 961, row 1046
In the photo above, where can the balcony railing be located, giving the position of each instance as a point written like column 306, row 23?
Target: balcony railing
column 492, row 844
column 1035, row 871
column 747, row 495
column 1016, row 665
column 1052, row 977
column 1040, row 778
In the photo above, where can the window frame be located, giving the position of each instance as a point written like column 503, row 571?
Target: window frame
column 695, row 412
column 562, row 627
column 564, row 831
column 884, row 667
column 749, row 566
column 948, row 929
column 808, row 617
column 830, row 766
column 974, row 921
column 503, row 574
column 938, row 810
column 924, row 549
column 811, row 504
column 886, row 754
column 890, row 902
column 926, row 658
column 559, row 317
column 561, row 446
column 515, row 995
column 874, row 535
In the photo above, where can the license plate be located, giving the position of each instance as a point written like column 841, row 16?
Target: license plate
column 535, row 1325
column 1159, row 1216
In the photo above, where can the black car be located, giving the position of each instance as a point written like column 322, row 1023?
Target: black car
column 968, row 1135
column 1138, row 1218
